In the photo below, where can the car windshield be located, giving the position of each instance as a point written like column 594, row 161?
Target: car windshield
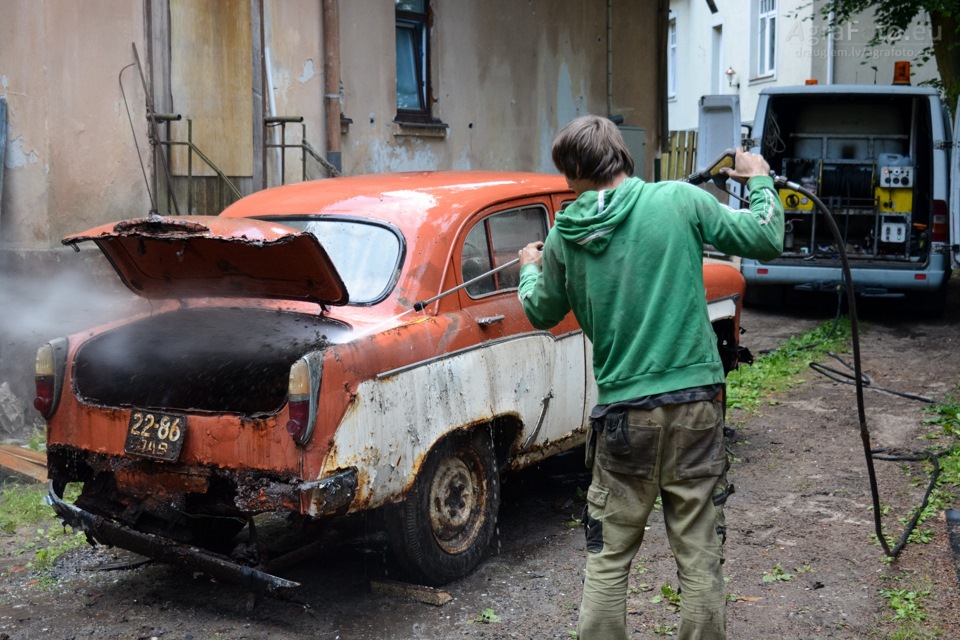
column 366, row 254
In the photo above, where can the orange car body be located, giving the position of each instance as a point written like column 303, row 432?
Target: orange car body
column 310, row 348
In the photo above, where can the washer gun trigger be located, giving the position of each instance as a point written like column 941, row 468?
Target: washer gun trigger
column 712, row 172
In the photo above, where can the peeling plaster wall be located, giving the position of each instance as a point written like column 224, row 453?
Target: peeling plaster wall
column 70, row 154
column 294, row 35
column 506, row 76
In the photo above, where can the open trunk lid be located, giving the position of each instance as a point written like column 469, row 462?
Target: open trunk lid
column 209, row 256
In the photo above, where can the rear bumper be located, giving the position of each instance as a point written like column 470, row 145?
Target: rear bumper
column 249, row 491
column 874, row 279
column 165, row 550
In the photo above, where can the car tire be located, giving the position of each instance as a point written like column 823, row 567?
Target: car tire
column 442, row 529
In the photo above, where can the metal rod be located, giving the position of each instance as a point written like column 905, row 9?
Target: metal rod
column 418, row 306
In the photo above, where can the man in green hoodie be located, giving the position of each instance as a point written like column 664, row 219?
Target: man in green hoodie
column 627, row 258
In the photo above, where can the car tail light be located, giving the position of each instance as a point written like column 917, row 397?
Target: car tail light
column 298, row 401
column 940, row 226
column 49, row 376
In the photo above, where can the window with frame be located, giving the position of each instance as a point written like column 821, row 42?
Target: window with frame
column 766, row 37
column 413, row 56
column 672, row 59
column 495, row 241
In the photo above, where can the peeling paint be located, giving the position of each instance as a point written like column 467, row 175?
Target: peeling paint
column 16, row 157
column 308, row 72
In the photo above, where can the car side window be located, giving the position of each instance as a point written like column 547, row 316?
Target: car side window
column 495, row 241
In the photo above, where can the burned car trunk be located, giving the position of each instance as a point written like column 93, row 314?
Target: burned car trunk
column 204, row 359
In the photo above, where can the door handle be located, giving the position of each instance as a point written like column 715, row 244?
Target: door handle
column 489, row 320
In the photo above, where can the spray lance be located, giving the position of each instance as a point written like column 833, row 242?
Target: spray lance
column 714, row 174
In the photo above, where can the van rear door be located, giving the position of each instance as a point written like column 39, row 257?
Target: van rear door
column 954, row 192
column 719, row 130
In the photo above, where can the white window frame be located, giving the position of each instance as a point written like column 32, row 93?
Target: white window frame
column 672, row 50
column 766, row 35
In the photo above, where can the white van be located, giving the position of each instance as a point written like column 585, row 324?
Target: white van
column 880, row 158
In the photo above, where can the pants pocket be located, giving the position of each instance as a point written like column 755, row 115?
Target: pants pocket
column 639, row 458
column 699, row 447
column 593, row 517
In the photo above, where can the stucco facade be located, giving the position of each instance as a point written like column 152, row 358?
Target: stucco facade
column 709, row 45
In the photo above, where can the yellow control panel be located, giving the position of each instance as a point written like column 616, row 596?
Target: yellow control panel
column 893, row 200
column 794, row 201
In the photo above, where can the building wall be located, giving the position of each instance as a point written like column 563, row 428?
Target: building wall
column 804, row 51
column 506, row 76
column 70, row 157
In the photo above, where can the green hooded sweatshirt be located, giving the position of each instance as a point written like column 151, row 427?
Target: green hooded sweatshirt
column 629, row 263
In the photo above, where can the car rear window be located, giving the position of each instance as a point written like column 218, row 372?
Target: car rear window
column 367, row 255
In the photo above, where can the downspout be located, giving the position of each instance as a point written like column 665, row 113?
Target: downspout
column 609, row 58
column 663, row 116
column 331, row 81
column 830, row 36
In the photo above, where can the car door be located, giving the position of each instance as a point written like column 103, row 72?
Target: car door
column 542, row 372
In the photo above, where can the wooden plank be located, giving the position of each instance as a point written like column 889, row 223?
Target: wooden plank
column 420, row 593
column 23, row 464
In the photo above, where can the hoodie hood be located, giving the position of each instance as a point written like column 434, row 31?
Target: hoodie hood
column 591, row 219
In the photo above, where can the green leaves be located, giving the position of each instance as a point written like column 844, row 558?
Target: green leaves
column 488, row 616
column 777, row 574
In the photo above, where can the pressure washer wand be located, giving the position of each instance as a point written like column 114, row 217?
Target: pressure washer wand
column 419, row 306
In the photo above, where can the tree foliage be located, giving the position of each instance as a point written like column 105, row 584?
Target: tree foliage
column 893, row 17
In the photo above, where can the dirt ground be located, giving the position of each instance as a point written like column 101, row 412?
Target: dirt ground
column 801, row 508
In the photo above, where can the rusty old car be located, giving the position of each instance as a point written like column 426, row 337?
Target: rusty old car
column 319, row 350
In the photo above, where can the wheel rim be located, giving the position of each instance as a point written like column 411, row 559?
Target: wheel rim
column 457, row 497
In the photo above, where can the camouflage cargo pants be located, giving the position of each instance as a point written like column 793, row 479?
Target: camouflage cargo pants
column 677, row 452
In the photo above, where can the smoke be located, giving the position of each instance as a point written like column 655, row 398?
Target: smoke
column 36, row 309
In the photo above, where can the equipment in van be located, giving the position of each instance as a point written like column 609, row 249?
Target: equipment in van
column 880, row 158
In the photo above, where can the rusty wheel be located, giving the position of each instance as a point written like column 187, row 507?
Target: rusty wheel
column 440, row 532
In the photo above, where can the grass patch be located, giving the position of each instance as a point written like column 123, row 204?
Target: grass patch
column 750, row 386
column 22, row 507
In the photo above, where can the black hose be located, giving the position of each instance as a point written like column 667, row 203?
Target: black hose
column 859, row 382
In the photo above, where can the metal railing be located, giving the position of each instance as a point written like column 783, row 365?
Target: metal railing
column 222, row 182
column 303, row 145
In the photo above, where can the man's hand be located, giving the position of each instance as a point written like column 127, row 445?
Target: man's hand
column 532, row 254
column 746, row 166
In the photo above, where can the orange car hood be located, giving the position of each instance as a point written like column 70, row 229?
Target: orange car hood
column 209, row 256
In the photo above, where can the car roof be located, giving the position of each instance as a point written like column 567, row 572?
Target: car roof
column 398, row 198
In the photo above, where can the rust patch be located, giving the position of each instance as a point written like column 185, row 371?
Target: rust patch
column 143, row 483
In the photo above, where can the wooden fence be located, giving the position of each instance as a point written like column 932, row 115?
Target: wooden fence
column 680, row 161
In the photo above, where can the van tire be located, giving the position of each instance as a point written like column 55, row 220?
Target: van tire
column 442, row 529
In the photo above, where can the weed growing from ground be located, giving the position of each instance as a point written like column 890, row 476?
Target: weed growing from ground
column 750, row 386
column 23, row 506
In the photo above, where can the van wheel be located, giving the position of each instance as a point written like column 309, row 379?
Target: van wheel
column 441, row 530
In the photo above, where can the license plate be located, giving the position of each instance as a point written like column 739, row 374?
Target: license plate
column 151, row 434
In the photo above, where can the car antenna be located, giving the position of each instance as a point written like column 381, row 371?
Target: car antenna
column 151, row 132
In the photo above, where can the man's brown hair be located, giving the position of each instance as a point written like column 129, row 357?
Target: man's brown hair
column 591, row 148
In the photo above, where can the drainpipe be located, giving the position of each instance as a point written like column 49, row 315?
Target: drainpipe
column 331, row 82
column 609, row 58
column 830, row 36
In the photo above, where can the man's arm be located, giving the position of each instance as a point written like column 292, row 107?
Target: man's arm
column 541, row 290
column 754, row 234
